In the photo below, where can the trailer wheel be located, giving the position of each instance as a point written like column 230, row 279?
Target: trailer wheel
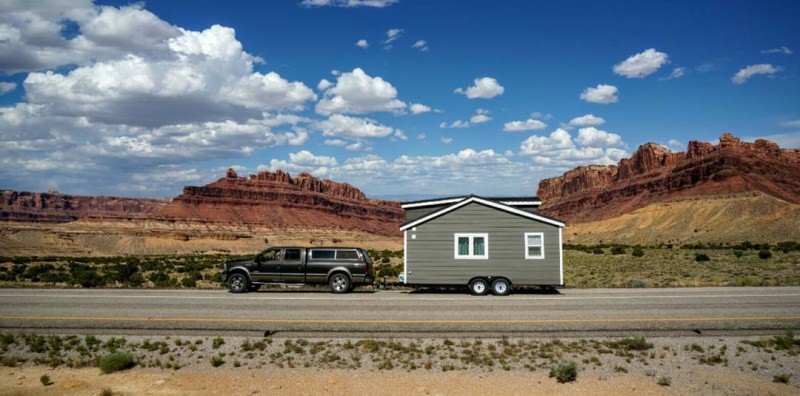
column 501, row 287
column 479, row 287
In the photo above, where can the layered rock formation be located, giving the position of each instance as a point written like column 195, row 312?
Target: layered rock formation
column 654, row 174
column 279, row 200
column 62, row 208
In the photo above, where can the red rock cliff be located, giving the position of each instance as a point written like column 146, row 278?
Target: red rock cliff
column 61, row 208
column 653, row 173
column 281, row 201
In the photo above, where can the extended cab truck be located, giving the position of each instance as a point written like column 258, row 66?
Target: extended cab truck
column 341, row 268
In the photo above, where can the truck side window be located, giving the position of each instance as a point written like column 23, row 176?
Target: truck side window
column 346, row 255
column 271, row 255
column 318, row 254
column 291, row 255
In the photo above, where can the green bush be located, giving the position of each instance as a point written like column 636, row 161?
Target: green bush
column 782, row 378
column 701, row 257
column 116, row 361
column 637, row 252
column 564, row 371
column 45, row 380
column 764, row 254
column 617, row 250
column 217, row 361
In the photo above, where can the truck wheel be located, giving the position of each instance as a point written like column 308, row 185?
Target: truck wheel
column 478, row 287
column 238, row 283
column 340, row 283
column 501, row 287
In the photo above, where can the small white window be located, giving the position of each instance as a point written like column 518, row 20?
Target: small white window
column 534, row 245
column 471, row 246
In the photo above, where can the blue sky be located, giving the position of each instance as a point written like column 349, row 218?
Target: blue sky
column 395, row 97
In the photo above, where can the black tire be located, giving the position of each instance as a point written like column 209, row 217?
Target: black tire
column 339, row 283
column 238, row 283
column 501, row 287
column 479, row 287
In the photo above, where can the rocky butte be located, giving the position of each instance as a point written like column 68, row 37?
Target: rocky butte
column 281, row 201
column 653, row 174
column 53, row 207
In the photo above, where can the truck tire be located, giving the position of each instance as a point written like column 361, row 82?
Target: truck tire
column 479, row 287
column 340, row 283
column 501, row 287
column 238, row 283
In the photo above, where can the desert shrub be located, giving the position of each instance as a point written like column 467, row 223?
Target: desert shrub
column 598, row 250
column 564, row 371
column 637, row 252
column 637, row 283
column 85, row 276
column 738, row 253
column 701, row 257
column 782, row 378
column 764, row 254
column 217, row 361
column 45, row 380
column 617, row 250
column 116, row 361
column 665, row 381
column 162, row 279
column 188, row 282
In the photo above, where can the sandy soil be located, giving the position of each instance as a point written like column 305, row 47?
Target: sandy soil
column 745, row 369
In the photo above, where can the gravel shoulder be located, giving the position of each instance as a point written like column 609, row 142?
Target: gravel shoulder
column 462, row 366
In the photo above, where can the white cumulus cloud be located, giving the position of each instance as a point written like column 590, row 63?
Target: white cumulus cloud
column 560, row 150
column 481, row 116
column 587, row 120
column 483, row 88
column 338, row 125
column 745, row 74
column 602, row 94
column 421, row 45
column 528, row 125
column 362, row 43
column 642, row 64
column 6, row 87
column 359, row 93
column 418, row 108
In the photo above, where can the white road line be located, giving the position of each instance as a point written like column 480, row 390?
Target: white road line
column 407, row 298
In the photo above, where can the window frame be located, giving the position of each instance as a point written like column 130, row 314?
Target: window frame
column 471, row 245
column 527, row 246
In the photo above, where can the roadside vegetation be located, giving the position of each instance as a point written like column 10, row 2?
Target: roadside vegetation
column 773, row 358
column 585, row 266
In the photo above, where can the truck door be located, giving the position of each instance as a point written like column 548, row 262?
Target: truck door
column 293, row 269
column 268, row 266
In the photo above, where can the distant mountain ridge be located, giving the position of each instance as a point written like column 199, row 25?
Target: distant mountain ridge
column 654, row 174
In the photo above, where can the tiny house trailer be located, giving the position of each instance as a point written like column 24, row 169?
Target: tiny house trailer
column 487, row 244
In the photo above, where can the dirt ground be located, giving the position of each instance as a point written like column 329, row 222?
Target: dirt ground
column 182, row 366
column 302, row 381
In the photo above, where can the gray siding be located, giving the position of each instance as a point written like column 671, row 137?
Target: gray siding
column 430, row 254
column 418, row 213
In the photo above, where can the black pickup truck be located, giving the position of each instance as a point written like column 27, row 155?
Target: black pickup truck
column 341, row 268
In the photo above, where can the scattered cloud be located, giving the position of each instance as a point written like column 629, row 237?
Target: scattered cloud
column 481, row 116
column 483, row 88
column 6, row 87
column 677, row 72
column 587, row 120
column 745, row 74
column 791, row 124
column 391, row 36
column 528, row 125
column 421, row 136
column 348, row 3
column 338, row 125
column 421, row 45
column 541, row 116
column 779, row 50
column 446, row 140
column 418, row 108
column 642, row 64
column 602, row 94
column 560, row 150
column 675, row 144
column 359, row 93
column 454, row 124
column 362, row 43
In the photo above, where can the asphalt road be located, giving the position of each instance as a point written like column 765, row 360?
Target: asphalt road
column 570, row 312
